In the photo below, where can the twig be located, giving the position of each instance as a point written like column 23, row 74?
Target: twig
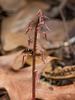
column 66, row 30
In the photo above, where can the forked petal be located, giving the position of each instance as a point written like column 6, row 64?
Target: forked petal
column 46, row 26
column 29, row 23
column 40, row 12
column 45, row 33
column 45, row 16
column 42, row 56
column 40, row 18
column 29, row 40
column 38, row 32
column 36, row 76
column 30, row 28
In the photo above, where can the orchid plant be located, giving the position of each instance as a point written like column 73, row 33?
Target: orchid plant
column 36, row 35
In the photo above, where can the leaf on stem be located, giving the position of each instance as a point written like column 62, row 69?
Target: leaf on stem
column 45, row 33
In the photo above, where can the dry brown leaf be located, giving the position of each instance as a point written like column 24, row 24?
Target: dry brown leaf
column 18, row 83
column 18, row 63
column 13, row 27
column 10, row 5
column 4, row 97
column 24, row 76
column 13, row 81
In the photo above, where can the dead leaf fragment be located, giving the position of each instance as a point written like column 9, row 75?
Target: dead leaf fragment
column 18, row 62
column 13, row 27
column 14, row 81
column 10, row 5
column 18, row 83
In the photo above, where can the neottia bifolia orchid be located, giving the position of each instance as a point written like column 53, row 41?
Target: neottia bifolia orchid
column 40, row 21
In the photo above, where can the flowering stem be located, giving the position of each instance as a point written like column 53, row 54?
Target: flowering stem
column 34, row 58
column 37, row 31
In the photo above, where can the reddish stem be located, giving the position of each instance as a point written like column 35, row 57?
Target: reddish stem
column 34, row 58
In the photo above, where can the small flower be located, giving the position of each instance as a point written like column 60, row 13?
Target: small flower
column 38, row 32
column 40, row 12
column 46, row 26
column 40, row 19
column 45, row 33
column 29, row 23
column 29, row 28
column 42, row 55
column 41, row 16
column 36, row 76
column 45, row 16
column 29, row 41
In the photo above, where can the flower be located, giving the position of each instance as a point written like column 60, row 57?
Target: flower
column 42, row 55
column 29, row 41
column 38, row 32
column 41, row 16
column 29, row 28
column 45, row 33
column 45, row 16
column 36, row 76
column 29, row 23
column 46, row 26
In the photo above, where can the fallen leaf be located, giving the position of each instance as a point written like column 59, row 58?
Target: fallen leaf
column 18, row 83
column 13, row 27
column 18, row 63
column 14, row 81
column 10, row 5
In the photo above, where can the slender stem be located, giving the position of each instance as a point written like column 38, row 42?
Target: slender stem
column 34, row 57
